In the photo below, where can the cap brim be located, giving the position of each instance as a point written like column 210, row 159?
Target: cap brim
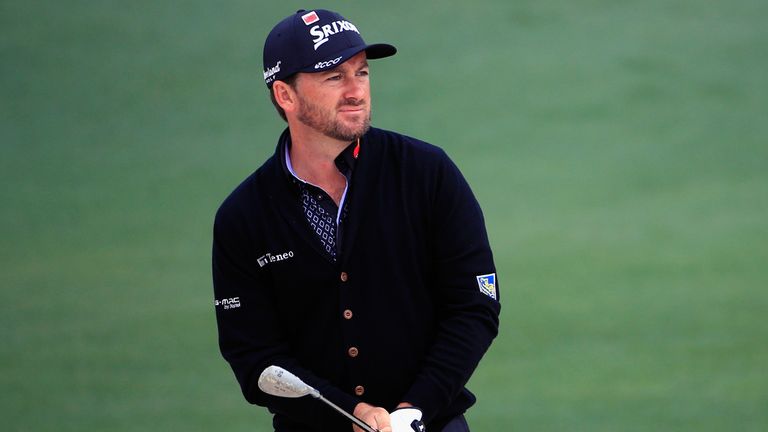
column 373, row 51
column 377, row 51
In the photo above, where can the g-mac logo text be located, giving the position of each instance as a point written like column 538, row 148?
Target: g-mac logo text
column 230, row 303
column 487, row 284
column 268, row 258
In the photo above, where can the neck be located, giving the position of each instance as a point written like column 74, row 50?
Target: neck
column 313, row 155
column 314, row 160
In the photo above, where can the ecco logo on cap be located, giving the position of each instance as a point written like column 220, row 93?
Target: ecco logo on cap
column 325, row 64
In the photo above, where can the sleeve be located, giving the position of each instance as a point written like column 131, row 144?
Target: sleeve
column 466, row 291
column 248, row 323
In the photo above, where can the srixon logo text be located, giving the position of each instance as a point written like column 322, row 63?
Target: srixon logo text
column 322, row 33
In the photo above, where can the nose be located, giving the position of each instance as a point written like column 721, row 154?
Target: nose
column 356, row 88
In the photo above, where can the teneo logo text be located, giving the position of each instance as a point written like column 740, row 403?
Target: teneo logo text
column 322, row 33
column 268, row 258
column 269, row 74
column 325, row 64
column 229, row 303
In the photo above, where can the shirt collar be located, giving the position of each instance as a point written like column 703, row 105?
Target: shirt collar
column 345, row 161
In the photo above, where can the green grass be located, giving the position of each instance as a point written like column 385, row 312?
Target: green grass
column 618, row 150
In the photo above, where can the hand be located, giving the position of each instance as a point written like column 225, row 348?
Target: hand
column 406, row 418
column 375, row 417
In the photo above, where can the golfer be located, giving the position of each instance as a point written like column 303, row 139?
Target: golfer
column 356, row 258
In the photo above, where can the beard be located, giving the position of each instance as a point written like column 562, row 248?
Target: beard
column 324, row 122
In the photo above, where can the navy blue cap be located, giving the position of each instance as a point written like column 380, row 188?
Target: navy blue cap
column 313, row 41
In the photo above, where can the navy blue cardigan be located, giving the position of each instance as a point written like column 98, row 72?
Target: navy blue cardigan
column 413, row 291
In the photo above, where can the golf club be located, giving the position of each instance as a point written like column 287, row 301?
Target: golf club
column 277, row 381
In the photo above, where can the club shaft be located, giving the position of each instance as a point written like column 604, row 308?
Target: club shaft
column 361, row 424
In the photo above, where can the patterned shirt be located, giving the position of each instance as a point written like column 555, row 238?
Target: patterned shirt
column 323, row 215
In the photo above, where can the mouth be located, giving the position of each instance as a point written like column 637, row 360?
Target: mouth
column 352, row 109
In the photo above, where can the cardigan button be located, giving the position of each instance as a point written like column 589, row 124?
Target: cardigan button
column 348, row 314
column 344, row 276
column 353, row 352
column 359, row 390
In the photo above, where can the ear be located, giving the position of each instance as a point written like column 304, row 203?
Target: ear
column 285, row 96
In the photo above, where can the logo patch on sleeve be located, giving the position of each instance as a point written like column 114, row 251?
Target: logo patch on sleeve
column 487, row 284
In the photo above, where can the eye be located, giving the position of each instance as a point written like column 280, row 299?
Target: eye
column 363, row 73
column 334, row 77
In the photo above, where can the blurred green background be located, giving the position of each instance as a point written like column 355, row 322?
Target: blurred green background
column 619, row 150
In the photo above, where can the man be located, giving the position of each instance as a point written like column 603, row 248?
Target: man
column 355, row 258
